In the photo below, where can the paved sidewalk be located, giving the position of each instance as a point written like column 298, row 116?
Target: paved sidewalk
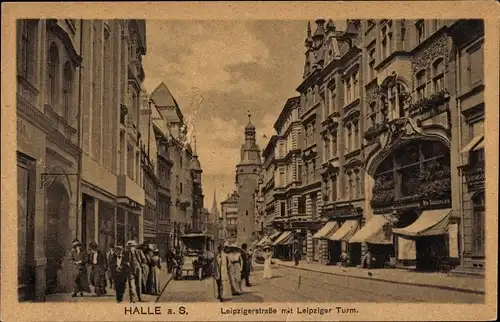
column 110, row 296
column 399, row 276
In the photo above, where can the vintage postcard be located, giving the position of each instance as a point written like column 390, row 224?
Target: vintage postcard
column 249, row 161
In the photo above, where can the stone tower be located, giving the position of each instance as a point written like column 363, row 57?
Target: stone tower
column 247, row 180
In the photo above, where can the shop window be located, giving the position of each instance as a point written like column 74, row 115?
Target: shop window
column 478, row 229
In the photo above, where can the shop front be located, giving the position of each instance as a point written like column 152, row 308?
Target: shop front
column 412, row 191
column 321, row 240
column 338, row 243
column 283, row 246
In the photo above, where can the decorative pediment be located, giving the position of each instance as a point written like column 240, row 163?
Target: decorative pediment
column 329, row 169
column 352, row 115
column 400, row 128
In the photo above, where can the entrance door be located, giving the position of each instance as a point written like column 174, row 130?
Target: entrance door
column 57, row 213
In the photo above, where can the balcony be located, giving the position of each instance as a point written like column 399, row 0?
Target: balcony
column 431, row 106
column 130, row 190
column 60, row 124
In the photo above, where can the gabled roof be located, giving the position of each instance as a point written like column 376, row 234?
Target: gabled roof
column 233, row 198
column 167, row 104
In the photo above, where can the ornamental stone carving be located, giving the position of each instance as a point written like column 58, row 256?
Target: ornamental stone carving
column 372, row 93
column 423, row 59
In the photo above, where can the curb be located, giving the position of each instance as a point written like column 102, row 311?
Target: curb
column 164, row 288
column 442, row 287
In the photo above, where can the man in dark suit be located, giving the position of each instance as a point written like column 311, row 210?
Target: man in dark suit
column 245, row 270
column 134, row 260
column 119, row 269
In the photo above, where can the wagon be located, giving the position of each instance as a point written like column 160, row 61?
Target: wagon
column 198, row 256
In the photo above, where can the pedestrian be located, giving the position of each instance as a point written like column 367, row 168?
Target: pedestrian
column 344, row 258
column 245, row 271
column 154, row 273
column 296, row 256
column 145, row 259
column 235, row 269
column 169, row 257
column 120, row 271
column 109, row 257
column 133, row 260
column 250, row 259
column 80, row 277
column 221, row 273
column 268, row 274
column 99, row 266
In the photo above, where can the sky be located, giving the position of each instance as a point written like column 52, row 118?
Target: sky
column 235, row 66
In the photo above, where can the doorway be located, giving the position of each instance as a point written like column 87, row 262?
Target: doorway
column 55, row 233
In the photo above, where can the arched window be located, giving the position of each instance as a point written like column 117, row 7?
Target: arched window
column 438, row 75
column 421, row 82
column 420, row 168
column 478, row 230
column 67, row 91
column 53, row 68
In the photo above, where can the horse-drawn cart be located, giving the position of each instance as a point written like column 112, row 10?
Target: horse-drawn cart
column 198, row 256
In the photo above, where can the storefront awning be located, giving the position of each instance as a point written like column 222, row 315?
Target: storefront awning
column 264, row 241
column 346, row 231
column 284, row 239
column 472, row 146
column 372, row 232
column 275, row 235
column 429, row 223
column 326, row 230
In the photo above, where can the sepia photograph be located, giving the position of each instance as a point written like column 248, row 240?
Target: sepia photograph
column 237, row 161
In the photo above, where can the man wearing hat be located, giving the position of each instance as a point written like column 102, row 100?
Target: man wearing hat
column 120, row 271
column 79, row 259
column 134, row 261
column 109, row 257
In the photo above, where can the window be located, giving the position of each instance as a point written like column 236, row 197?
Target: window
column 67, row 92
column 421, row 83
column 348, row 138
column 438, row 75
column 334, row 145
column 348, row 90
column 27, row 52
column 356, row 135
column 475, row 66
column 358, row 185
column 313, row 170
column 299, row 171
column 327, row 189
column 246, row 212
column 130, row 161
column 384, row 42
column 420, row 27
column 326, row 150
column 478, row 230
column 373, row 113
column 349, row 187
column 302, row 205
column 355, row 86
column 52, row 69
column 334, row 188
column 282, row 209
column 371, row 63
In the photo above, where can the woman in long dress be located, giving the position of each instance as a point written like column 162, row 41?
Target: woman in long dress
column 154, row 283
column 223, row 263
column 268, row 274
column 235, row 267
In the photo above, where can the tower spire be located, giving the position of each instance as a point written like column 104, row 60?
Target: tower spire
column 249, row 116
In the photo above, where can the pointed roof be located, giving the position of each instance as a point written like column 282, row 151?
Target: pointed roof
column 215, row 209
column 166, row 103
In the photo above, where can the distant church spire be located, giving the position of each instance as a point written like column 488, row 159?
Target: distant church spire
column 215, row 210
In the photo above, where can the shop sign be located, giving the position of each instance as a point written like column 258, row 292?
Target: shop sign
column 428, row 203
column 475, row 179
column 424, row 204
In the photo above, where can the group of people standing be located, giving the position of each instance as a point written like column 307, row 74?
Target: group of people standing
column 132, row 268
column 232, row 266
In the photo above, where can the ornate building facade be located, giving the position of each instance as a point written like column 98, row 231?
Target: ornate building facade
column 229, row 210
column 392, row 110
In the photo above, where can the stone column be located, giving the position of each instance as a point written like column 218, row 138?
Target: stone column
column 309, row 241
column 96, row 220
column 324, row 251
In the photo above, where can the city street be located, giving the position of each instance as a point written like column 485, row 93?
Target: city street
column 292, row 285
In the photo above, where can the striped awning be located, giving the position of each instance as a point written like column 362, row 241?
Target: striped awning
column 373, row 232
column 326, row 230
column 429, row 223
column 345, row 232
column 284, row 239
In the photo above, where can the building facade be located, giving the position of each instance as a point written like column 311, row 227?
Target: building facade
column 247, row 177
column 392, row 114
column 48, row 60
column 180, row 154
column 229, row 210
column 67, row 158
